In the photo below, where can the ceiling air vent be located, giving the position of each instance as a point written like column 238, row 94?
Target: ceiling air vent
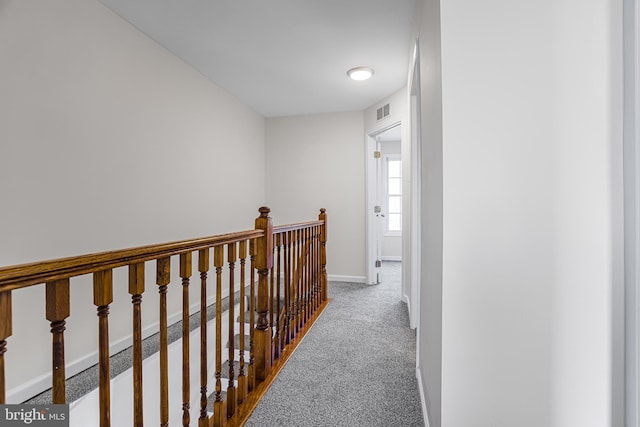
column 382, row 112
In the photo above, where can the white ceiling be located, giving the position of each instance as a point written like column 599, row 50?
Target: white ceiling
column 285, row 57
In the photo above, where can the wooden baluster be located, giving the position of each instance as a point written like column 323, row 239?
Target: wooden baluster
column 323, row 252
column 303, row 281
column 305, row 277
column 310, row 273
column 102, row 297
column 294, row 284
column 271, row 302
column 185, row 273
column 296, row 292
column 277, row 345
column 318, row 268
column 203, row 268
column 291, row 284
column 312, row 262
column 252, row 317
column 312, row 296
column 163, row 278
column 287, row 285
column 264, row 262
column 5, row 332
column 316, row 265
column 58, row 309
column 243, row 389
column 232, row 398
column 136, row 289
column 307, row 269
column 299, row 267
column 219, row 409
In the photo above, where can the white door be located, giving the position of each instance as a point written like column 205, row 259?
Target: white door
column 377, row 209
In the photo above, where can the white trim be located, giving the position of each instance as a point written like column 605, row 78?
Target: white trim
column 393, row 258
column 413, row 261
column 423, row 397
column 631, row 157
column 349, row 279
column 636, row 372
column 370, row 200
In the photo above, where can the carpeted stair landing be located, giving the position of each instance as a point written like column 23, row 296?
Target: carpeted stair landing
column 355, row 367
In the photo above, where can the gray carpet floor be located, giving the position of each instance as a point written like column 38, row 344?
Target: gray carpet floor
column 355, row 367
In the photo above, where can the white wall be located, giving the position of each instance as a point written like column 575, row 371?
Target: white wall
column 626, row 302
column 429, row 339
column 532, row 209
column 108, row 141
column 397, row 111
column 314, row 162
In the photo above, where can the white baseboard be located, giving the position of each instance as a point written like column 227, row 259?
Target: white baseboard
column 423, row 397
column 43, row 382
column 405, row 299
column 340, row 278
column 391, row 258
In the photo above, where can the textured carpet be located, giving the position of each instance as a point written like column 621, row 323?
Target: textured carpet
column 355, row 367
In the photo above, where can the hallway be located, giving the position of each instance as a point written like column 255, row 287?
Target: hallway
column 355, row 367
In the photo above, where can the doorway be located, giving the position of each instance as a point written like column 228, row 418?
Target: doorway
column 384, row 201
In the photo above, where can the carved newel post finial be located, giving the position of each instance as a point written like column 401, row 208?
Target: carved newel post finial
column 264, row 212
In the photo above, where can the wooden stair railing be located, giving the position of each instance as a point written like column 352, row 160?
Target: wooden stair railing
column 300, row 289
column 287, row 297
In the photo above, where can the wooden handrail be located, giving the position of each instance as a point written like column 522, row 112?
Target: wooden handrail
column 279, row 229
column 24, row 275
column 273, row 323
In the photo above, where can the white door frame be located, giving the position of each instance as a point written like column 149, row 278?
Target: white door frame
column 411, row 219
column 413, row 234
column 629, row 301
column 371, row 198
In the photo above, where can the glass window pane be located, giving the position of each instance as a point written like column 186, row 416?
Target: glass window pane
column 395, row 222
column 394, row 168
column 395, row 186
column 395, row 204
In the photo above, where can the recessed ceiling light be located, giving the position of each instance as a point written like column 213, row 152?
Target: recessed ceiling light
column 360, row 73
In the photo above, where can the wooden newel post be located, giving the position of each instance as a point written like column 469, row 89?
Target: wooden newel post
column 263, row 263
column 323, row 252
